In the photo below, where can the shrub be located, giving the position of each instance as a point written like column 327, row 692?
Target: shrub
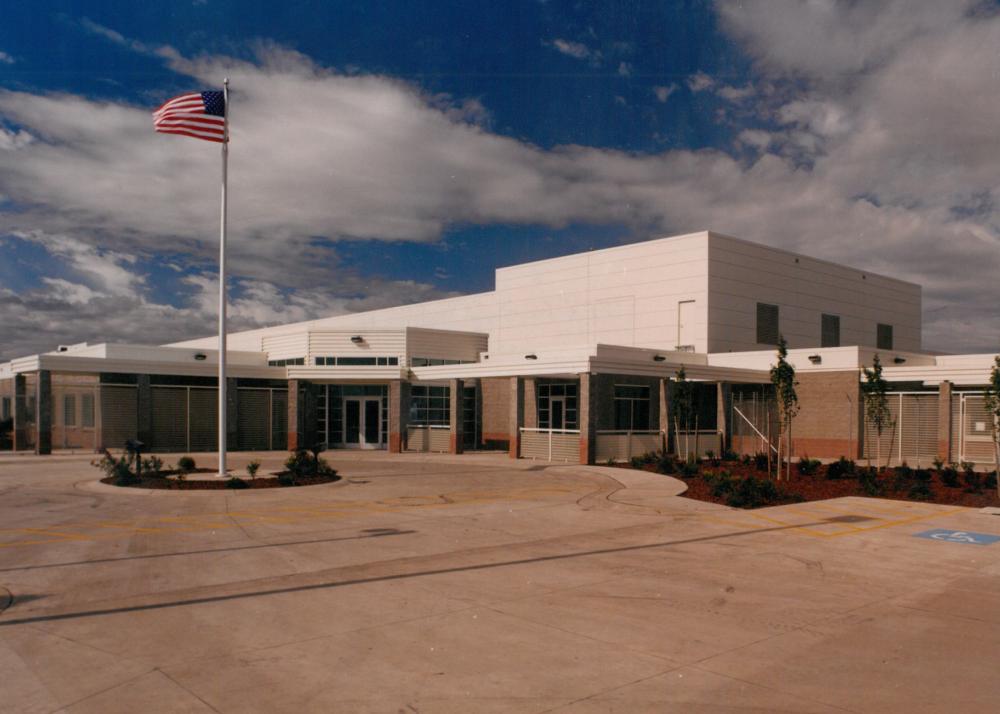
column 666, row 464
column 760, row 461
column 938, row 463
column 730, row 455
column 807, row 466
column 920, row 485
column 252, row 468
column 949, row 477
column 185, row 464
column 650, row 457
column 720, row 484
column 753, row 492
column 973, row 481
column 842, row 468
column 302, row 463
column 902, row 477
column 610, row 462
column 689, row 468
column 869, row 483
column 236, row 482
column 117, row 469
column 153, row 466
column 991, row 480
column 746, row 460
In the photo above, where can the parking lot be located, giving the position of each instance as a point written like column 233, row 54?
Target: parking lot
column 478, row 584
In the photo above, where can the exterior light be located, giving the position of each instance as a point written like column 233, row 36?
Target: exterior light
column 899, row 360
column 815, row 359
column 201, row 357
column 531, row 356
column 659, row 358
column 357, row 339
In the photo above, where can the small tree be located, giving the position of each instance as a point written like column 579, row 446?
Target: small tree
column 783, row 379
column 991, row 401
column 875, row 390
column 683, row 408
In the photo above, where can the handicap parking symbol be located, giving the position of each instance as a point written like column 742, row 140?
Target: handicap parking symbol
column 966, row 537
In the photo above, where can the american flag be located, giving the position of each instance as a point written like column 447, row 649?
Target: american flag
column 201, row 115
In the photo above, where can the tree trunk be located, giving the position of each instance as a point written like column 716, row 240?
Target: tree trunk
column 788, row 471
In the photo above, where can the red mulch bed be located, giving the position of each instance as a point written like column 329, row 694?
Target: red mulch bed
column 170, row 484
column 817, row 487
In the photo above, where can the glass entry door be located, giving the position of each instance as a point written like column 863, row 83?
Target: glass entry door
column 362, row 422
column 557, row 406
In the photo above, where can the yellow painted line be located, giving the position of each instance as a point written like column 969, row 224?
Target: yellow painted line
column 64, row 536
column 903, row 522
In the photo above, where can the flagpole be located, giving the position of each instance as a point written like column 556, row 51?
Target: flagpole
column 222, row 286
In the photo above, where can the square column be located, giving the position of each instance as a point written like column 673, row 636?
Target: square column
column 666, row 415
column 43, row 412
column 944, row 422
column 296, row 439
column 144, row 412
column 455, row 436
column 232, row 415
column 399, row 414
column 20, row 413
column 588, row 415
column 516, row 419
column 724, row 399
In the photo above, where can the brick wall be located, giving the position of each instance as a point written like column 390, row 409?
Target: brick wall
column 830, row 415
column 495, row 396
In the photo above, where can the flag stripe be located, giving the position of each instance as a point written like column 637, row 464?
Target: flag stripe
column 196, row 114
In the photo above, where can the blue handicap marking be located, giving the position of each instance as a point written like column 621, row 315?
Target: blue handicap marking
column 967, row 537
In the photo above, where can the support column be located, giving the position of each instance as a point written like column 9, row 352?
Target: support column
column 516, row 418
column 666, row 425
column 455, row 435
column 399, row 414
column 296, row 439
column 587, row 408
column 232, row 415
column 944, row 422
column 144, row 412
column 724, row 398
column 20, row 413
column 43, row 412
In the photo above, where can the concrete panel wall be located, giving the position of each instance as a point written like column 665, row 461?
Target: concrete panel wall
column 742, row 274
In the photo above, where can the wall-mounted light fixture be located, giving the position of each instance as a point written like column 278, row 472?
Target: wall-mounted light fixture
column 201, row 357
column 357, row 339
column 899, row 360
column 659, row 358
column 816, row 359
column 531, row 356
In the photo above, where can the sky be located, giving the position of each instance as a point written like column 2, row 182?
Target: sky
column 392, row 152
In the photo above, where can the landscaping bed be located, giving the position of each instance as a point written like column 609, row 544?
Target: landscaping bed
column 745, row 483
column 302, row 468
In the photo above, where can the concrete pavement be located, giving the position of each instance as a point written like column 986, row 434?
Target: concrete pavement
column 475, row 583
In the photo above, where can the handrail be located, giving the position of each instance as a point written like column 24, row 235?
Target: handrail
column 636, row 432
column 428, row 426
column 751, row 424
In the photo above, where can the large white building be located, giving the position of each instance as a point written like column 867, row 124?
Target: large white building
column 570, row 358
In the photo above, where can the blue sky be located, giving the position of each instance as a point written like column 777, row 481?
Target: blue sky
column 390, row 152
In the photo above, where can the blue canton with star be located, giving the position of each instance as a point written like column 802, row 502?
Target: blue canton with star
column 215, row 103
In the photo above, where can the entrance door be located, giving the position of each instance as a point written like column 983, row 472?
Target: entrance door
column 685, row 325
column 557, row 412
column 362, row 422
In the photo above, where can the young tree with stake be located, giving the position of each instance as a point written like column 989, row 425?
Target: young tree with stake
column 783, row 379
column 875, row 390
column 991, row 401
column 683, row 406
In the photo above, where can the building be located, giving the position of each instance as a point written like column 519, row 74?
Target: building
column 570, row 359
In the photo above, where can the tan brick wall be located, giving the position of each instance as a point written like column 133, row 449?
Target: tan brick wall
column 495, row 396
column 829, row 418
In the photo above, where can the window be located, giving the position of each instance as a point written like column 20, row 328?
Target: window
column 767, row 324
column 430, row 406
column 883, row 338
column 286, row 362
column 356, row 361
column 87, row 410
column 830, row 331
column 5, row 408
column 434, row 361
column 631, row 407
column 557, row 406
column 69, row 410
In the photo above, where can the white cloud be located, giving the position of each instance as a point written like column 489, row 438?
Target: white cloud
column 624, row 69
column 735, row 94
column 576, row 50
column 6, row 58
column 663, row 92
column 699, row 82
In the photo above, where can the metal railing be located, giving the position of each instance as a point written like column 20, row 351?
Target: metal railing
column 550, row 444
